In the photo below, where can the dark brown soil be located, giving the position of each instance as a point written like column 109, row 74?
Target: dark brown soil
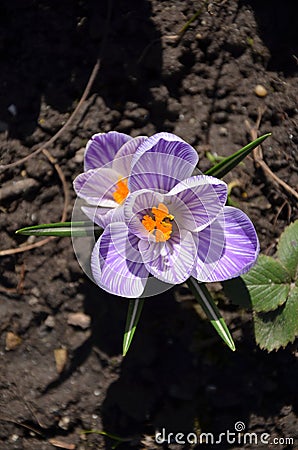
column 177, row 375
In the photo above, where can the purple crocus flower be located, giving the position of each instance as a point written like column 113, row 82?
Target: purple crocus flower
column 103, row 184
column 171, row 225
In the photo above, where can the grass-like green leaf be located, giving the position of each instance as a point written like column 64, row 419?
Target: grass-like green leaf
column 208, row 305
column 62, row 229
column 227, row 164
column 133, row 315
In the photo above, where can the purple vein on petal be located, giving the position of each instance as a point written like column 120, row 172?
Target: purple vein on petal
column 116, row 263
column 102, row 148
column 227, row 248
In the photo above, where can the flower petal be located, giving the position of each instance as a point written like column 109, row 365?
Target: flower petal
column 97, row 186
column 137, row 205
column 104, row 216
column 197, row 201
column 116, row 262
column 161, row 162
column 102, row 148
column 123, row 158
column 171, row 261
column 227, row 248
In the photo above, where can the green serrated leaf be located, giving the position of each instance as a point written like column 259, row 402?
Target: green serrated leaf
column 277, row 328
column 287, row 249
column 227, row 164
column 133, row 315
column 62, row 229
column 208, row 305
column 268, row 283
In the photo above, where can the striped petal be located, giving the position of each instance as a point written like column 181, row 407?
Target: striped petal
column 160, row 162
column 171, row 261
column 104, row 216
column 197, row 201
column 102, row 148
column 97, row 186
column 123, row 158
column 227, row 248
column 116, row 262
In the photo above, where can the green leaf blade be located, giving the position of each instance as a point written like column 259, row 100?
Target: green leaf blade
column 133, row 316
column 62, row 229
column 227, row 164
column 208, row 305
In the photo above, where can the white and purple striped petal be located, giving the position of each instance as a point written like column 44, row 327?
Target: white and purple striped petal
column 171, row 261
column 116, row 262
column 123, row 158
column 103, row 216
column 97, row 186
column 227, row 248
column 160, row 162
column 196, row 201
column 102, row 148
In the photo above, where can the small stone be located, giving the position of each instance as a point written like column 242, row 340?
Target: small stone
column 260, row 91
column 79, row 156
column 223, row 131
column 12, row 341
column 64, row 423
column 125, row 125
column 32, row 301
column 79, row 320
column 50, row 322
column 60, row 355
column 35, row 291
column 14, row 438
column 13, row 110
column 220, row 117
column 171, row 39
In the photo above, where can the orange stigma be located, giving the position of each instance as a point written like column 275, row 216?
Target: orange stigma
column 122, row 191
column 159, row 223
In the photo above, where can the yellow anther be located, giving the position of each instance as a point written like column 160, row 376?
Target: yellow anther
column 159, row 223
column 122, row 191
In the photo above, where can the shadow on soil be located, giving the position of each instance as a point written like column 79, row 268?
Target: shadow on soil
column 49, row 52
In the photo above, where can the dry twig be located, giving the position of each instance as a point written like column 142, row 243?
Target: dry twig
column 258, row 157
column 62, row 129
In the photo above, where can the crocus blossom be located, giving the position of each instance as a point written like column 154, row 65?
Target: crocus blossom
column 103, row 184
column 170, row 225
column 108, row 161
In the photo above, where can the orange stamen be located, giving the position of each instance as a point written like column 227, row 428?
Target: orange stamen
column 160, row 224
column 122, row 191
